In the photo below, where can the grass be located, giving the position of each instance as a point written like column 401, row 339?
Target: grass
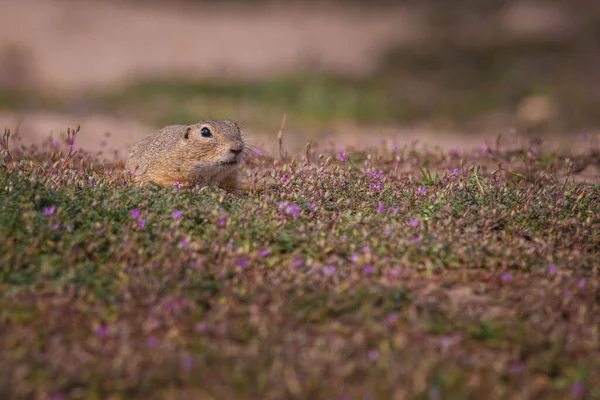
column 443, row 83
column 370, row 274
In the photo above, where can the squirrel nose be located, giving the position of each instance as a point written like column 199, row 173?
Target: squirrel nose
column 235, row 150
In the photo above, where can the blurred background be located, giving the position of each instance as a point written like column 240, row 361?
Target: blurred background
column 348, row 73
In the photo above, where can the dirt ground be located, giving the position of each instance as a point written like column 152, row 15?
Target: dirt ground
column 69, row 46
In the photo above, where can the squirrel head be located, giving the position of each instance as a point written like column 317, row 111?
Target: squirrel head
column 213, row 143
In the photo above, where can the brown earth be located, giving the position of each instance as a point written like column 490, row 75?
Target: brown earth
column 70, row 46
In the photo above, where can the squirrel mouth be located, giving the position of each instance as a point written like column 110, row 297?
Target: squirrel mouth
column 229, row 162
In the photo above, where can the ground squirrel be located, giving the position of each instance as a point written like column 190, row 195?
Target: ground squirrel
column 204, row 154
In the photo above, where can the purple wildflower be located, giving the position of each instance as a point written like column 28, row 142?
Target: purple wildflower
column 49, row 210
column 577, row 389
column 243, row 262
column 263, row 252
column 422, row 190
column 581, row 283
column 183, row 242
column 373, row 354
column 376, row 175
column 380, row 208
column 343, row 157
column 141, row 223
column 552, row 269
column 354, row 258
column 415, row 239
column 177, row 184
column 392, row 319
column 152, row 341
column 366, row 249
column 296, row 263
column 506, row 276
column 188, row 361
column 515, row 368
column 368, row 269
column 285, row 178
column 413, row 222
column 177, row 214
column 102, row 330
column 293, row 210
column 454, row 171
column 376, row 186
column 329, row 269
column 446, row 342
column 135, row 213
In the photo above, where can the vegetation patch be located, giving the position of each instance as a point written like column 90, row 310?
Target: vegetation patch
column 379, row 273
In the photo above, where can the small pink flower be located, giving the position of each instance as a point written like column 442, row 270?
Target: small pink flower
column 263, row 252
column 285, row 178
column 49, row 210
column 453, row 171
column 581, row 284
column 373, row 354
column 296, row 263
column 366, row 249
column 506, row 277
column 102, row 330
column 380, row 208
column 552, row 269
column 422, row 190
column 392, row 318
column 177, row 184
column 188, row 361
column 376, row 186
column 354, row 258
column 135, row 214
column 183, row 243
column 329, row 269
column 343, row 157
column 292, row 210
column 141, row 223
column 515, row 369
column 243, row 262
column 152, row 341
column 177, row 214
column 577, row 389
column 413, row 222
column 368, row 269
column 415, row 239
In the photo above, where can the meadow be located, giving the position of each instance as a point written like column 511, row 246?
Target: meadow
column 388, row 271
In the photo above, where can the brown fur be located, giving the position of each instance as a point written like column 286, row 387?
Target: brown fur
column 169, row 156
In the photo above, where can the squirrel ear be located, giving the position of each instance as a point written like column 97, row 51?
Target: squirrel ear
column 186, row 134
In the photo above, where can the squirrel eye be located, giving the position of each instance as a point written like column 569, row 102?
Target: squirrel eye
column 205, row 132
